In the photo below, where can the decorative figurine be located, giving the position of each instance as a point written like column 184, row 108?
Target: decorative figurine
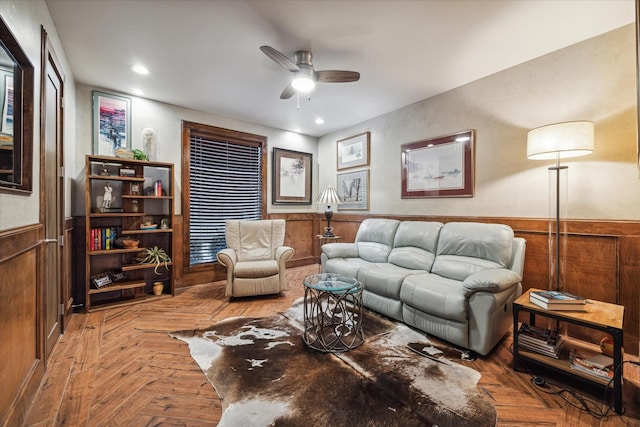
column 106, row 199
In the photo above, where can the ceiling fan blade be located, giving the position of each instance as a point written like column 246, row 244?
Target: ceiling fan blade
column 287, row 92
column 279, row 58
column 337, row 76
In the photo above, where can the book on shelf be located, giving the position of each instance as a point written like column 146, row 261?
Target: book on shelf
column 540, row 340
column 558, row 306
column 556, row 297
column 591, row 362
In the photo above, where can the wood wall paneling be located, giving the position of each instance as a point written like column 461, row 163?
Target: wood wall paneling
column 21, row 350
column 603, row 257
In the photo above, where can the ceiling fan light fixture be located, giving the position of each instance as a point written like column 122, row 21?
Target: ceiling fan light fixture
column 303, row 83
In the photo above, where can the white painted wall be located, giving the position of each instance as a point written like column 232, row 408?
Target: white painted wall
column 25, row 19
column 592, row 80
column 167, row 120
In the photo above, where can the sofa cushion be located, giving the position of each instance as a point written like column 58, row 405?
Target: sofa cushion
column 436, row 295
column 384, row 279
column 465, row 248
column 346, row 266
column 375, row 238
column 414, row 245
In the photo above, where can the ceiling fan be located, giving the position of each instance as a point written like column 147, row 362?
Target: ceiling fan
column 304, row 76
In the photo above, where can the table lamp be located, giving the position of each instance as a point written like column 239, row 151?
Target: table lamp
column 328, row 197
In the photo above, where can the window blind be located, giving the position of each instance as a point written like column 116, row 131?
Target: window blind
column 225, row 182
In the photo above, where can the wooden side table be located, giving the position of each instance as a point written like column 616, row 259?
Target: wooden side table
column 601, row 316
column 323, row 239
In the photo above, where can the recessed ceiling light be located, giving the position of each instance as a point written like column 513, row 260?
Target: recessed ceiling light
column 319, row 121
column 137, row 92
column 140, row 69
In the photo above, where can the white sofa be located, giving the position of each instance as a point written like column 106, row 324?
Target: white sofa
column 455, row 281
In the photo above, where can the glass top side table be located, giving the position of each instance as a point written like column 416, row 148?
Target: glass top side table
column 332, row 312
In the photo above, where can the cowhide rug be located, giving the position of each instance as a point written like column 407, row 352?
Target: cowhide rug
column 266, row 375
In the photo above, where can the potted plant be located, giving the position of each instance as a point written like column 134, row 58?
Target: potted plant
column 155, row 255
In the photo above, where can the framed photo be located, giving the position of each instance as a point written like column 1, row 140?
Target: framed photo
column 354, row 151
column 291, row 177
column 439, row 167
column 111, row 123
column 353, row 190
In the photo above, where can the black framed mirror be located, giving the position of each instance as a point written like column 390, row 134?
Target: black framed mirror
column 16, row 115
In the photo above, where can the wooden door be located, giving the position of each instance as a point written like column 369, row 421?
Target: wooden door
column 52, row 196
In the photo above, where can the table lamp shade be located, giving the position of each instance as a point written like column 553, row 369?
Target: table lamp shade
column 329, row 196
column 560, row 140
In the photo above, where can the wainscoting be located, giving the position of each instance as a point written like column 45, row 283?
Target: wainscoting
column 21, row 351
column 603, row 257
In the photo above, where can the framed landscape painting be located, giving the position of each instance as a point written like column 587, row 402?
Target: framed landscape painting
column 111, row 123
column 291, row 177
column 354, row 151
column 439, row 167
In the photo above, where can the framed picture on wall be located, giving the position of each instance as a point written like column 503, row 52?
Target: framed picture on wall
column 439, row 167
column 291, row 177
column 353, row 151
column 353, row 190
column 111, row 123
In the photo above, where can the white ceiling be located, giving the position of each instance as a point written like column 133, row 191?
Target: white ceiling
column 204, row 54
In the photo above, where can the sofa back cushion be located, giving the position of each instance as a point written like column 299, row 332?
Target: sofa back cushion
column 414, row 245
column 375, row 238
column 255, row 240
column 465, row 248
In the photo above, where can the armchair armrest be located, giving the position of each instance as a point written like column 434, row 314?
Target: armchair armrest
column 492, row 280
column 227, row 257
column 340, row 250
column 283, row 254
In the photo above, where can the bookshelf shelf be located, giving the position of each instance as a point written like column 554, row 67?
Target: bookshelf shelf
column 601, row 316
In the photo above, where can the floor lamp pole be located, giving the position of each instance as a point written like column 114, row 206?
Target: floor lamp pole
column 557, row 168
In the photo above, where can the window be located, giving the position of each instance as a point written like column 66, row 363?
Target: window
column 225, row 179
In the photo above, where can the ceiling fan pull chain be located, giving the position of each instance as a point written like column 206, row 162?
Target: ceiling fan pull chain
column 298, row 99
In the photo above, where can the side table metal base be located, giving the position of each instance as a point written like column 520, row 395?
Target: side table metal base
column 333, row 320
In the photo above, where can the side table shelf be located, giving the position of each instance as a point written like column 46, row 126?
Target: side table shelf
column 600, row 316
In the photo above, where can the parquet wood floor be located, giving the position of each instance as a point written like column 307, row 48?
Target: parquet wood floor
column 119, row 367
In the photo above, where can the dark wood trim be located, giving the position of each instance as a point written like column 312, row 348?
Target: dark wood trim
column 219, row 134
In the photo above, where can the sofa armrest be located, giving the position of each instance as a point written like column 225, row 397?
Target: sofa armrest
column 340, row 250
column 491, row 280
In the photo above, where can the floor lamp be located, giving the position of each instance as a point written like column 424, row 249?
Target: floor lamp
column 558, row 141
column 328, row 197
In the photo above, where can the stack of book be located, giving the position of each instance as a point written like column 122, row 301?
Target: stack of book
column 544, row 341
column 556, row 300
column 591, row 362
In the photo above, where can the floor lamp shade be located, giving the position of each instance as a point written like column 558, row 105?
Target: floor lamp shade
column 329, row 196
column 559, row 141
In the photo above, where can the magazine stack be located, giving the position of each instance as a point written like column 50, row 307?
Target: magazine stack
column 592, row 363
column 544, row 341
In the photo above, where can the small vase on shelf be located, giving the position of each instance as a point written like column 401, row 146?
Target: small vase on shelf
column 158, row 287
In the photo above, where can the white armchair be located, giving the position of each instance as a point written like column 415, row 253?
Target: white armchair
column 255, row 257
